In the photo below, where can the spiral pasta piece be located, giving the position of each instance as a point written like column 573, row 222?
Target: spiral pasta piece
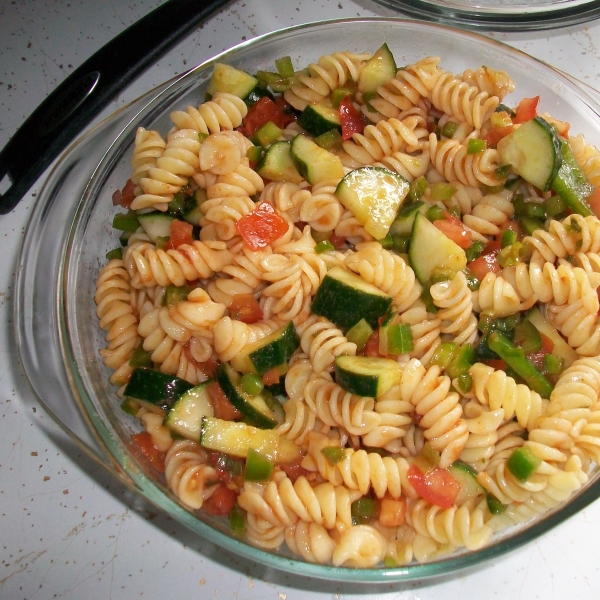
column 360, row 546
column 330, row 72
column 425, row 329
column 148, row 266
column 232, row 336
column 221, row 154
column 321, row 209
column 224, row 112
column 310, row 541
column 387, row 271
column 453, row 298
column 148, row 148
column 360, row 470
column 338, row 408
column 262, row 534
column 161, row 334
column 497, row 390
column 153, row 425
column 499, row 298
column 198, row 311
column 281, row 502
column 452, row 160
column 288, row 198
column 187, row 474
column 348, row 227
column 587, row 157
column 458, row 527
column 409, row 166
column 463, row 101
column 385, row 138
column 490, row 213
column 117, row 317
column 483, row 425
column 323, row 342
column 485, row 79
column 405, row 90
column 439, row 410
column 224, row 213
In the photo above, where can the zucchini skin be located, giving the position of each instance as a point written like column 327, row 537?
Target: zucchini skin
column 155, row 387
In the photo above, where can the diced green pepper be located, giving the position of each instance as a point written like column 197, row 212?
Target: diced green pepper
column 522, row 463
column 254, row 154
column 400, row 339
column 439, row 274
column 140, row 358
column 237, row 520
column 115, row 254
column 528, row 337
column 324, row 246
column 340, row 93
column 359, row 334
column 516, row 359
column 475, row 146
column 175, row 294
column 130, row 406
column 534, row 210
column 258, row 466
column 387, row 242
column 529, row 225
column 442, row 191
column 417, row 188
column 464, row 382
column 494, row 505
column 449, row 129
column 267, row 134
column 553, row 364
column 126, row 221
column 472, row 282
column 364, row 508
column 333, row 454
column 252, row 384
column 435, row 213
column 444, row 354
column 554, row 206
column 509, row 237
column 462, row 360
column 474, row 250
column 329, row 140
column 400, row 243
column 284, row 66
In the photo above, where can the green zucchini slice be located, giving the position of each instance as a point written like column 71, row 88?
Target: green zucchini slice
column 430, row 248
column 345, row 298
column 314, row 163
column 155, row 387
column 380, row 68
column 366, row 375
column 373, row 195
column 277, row 164
column 185, row 416
column 534, row 151
column 256, row 409
column 320, row 118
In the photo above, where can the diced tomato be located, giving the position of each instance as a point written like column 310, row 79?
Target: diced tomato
column 294, row 470
column 288, row 110
column 245, row 308
column 207, row 367
column 496, row 363
column 271, row 377
column 438, row 487
column 261, row 226
column 338, row 241
column 392, row 513
column 454, row 229
column 125, row 196
column 260, row 113
column 181, row 233
column 155, row 457
column 352, row 120
column 526, row 110
column 495, row 134
column 372, row 346
column 222, row 407
column 487, row 262
column 221, row 502
column 593, row 201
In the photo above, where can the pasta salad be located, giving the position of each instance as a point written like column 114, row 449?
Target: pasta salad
column 355, row 307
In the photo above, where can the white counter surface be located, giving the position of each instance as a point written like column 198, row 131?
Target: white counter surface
column 67, row 530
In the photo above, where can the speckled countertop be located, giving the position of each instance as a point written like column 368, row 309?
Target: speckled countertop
column 67, row 530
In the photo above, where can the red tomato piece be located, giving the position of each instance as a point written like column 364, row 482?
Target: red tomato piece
column 260, row 113
column 352, row 120
column 487, row 262
column 261, row 226
column 125, row 196
column 593, row 201
column 337, row 241
column 496, row 363
column 181, row 233
column 392, row 513
column 245, row 308
column 495, row 134
column 526, row 110
column 221, row 502
column 289, row 114
column 155, row 457
column 372, row 346
column 221, row 405
column 454, row 229
column 271, row 377
column 437, row 487
column 294, row 470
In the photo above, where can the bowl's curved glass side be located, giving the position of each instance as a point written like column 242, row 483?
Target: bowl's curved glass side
column 92, row 236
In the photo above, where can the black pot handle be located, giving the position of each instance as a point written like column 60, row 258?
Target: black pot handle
column 73, row 104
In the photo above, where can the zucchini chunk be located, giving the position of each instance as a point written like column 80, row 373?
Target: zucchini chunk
column 156, row 225
column 561, row 348
column 366, row 375
column 430, row 248
column 380, row 68
column 534, row 151
column 228, row 79
column 273, row 351
column 373, row 195
column 403, row 223
column 256, row 409
column 314, row 163
column 571, row 184
column 236, row 439
column 345, row 298
column 155, row 387
column 467, row 477
column 277, row 164
column 320, row 118
column 185, row 416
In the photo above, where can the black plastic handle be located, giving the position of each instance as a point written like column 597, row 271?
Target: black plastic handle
column 73, row 104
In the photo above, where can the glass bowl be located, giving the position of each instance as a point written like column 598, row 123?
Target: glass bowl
column 70, row 231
